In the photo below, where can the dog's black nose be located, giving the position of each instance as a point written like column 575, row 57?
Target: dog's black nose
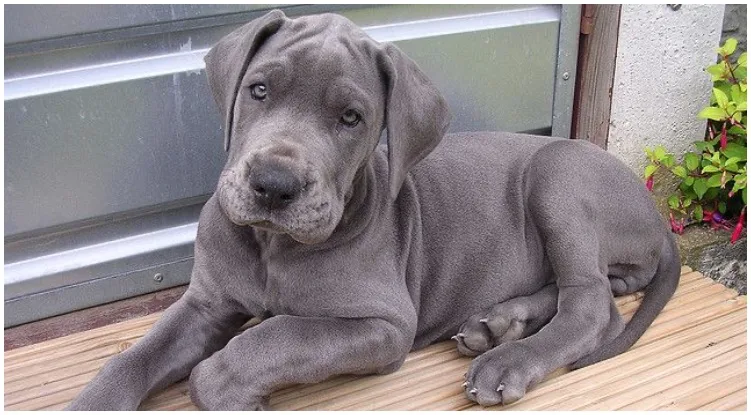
column 275, row 186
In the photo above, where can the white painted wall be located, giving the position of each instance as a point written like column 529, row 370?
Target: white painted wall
column 660, row 84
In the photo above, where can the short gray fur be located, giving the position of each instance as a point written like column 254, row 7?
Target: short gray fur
column 356, row 253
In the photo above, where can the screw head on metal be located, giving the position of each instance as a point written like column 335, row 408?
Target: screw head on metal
column 565, row 76
column 158, row 277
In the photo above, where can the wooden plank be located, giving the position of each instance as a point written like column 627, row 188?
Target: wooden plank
column 693, row 357
column 91, row 318
column 732, row 401
column 595, row 74
column 689, row 400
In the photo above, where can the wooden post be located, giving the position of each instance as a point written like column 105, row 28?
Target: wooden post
column 595, row 70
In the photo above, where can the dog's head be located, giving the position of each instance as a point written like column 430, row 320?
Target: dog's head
column 304, row 103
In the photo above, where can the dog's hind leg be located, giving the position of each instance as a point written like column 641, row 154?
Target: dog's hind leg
column 509, row 320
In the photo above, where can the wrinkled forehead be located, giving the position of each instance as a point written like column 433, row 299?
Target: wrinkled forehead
column 325, row 47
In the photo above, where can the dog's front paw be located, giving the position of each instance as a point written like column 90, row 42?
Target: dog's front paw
column 503, row 374
column 214, row 386
column 502, row 323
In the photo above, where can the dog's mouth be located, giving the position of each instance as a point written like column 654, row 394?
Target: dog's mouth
column 267, row 226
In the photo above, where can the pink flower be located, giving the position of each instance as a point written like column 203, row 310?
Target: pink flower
column 675, row 225
column 738, row 228
column 650, row 183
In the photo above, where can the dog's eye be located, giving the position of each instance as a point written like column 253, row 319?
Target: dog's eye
column 258, row 92
column 350, row 118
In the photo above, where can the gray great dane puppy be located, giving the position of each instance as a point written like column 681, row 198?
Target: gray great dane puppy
column 354, row 254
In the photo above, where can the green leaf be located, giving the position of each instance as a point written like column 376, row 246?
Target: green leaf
column 742, row 60
column 650, row 153
column 688, row 190
column 717, row 71
column 715, row 180
column 680, row 171
column 732, row 160
column 722, row 207
column 737, row 186
column 659, row 152
column 720, row 97
column 691, row 160
column 736, row 131
column 703, row 146
column 729, row 47
column 742, row 106
column 737, row 115
column 733, row 168
column 700, row 187
column 710, row 169
column 689, row 181
column 736, row 95
column 735, row 150
column 740, row 73
column 649, row 171
column 713, row 113
column 674, row 202
column 724, row 87
column 668, row 160
column 687, row 202
column 698, row 212
column 716, row 158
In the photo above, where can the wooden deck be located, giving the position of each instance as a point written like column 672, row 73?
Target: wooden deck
column 693, row 357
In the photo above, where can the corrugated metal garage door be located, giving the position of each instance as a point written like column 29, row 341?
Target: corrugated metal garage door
column 112, row 140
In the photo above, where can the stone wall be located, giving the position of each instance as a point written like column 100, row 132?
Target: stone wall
column 659, row 83
column 735, row 25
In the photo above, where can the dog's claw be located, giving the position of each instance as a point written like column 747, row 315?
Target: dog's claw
column 455, row 338
column 473, row 391
column 465, row 384
column 500, row 387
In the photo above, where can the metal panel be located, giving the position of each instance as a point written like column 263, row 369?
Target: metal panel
column 565, row 74
column 113, row 142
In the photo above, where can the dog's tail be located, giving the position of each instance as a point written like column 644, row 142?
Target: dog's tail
column 656, row 295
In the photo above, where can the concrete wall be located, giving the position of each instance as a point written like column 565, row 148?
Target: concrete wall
column 735, row 25
column 660, row 84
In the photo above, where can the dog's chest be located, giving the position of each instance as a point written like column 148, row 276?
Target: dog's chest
column 329, row 283
column 309, row 287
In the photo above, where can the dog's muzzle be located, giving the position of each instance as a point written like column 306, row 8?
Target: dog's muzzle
column 275, row 186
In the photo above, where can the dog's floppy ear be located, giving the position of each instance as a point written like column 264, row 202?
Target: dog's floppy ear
column 417, row 116
column 228, row 60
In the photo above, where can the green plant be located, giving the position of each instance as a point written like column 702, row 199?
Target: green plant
column 712, row 181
